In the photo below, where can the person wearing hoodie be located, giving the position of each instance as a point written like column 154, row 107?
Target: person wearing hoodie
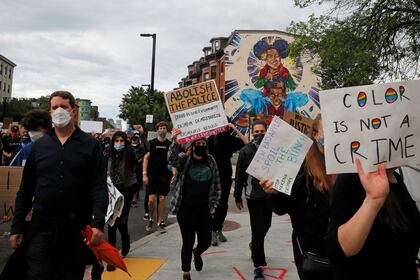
column 259, row 210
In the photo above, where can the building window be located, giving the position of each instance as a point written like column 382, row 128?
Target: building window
column 213, row 72
column 5, row 70
column 10, row 73
column 4, row 87
column 206, row 76
column 0, row 85
column 8, row 88
column 1, row 69
column 222, row 68
column 217, row 45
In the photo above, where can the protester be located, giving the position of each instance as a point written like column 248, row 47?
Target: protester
column 222, row 146
column 374, row 230
column 36, row 122
column 156, row 176
column 141, row 147
column 308, row 204
column 12, row 145
column 259, row 210
column 64, row 182
column 197, row 195
column 122, row 165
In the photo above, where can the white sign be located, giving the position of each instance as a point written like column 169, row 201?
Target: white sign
column 149, row 118
column 91, row 126
column 197, row 111
column 376, row 123
column 280, row 155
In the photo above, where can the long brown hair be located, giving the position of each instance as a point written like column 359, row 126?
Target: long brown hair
column 315, row 164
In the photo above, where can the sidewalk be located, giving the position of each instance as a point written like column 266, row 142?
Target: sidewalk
column 230, row 260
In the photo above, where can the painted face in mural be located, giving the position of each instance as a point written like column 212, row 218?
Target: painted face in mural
column 277, row 96
column 273, row 58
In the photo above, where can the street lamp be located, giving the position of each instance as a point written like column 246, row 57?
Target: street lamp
column 148, row 95
column 152, row 79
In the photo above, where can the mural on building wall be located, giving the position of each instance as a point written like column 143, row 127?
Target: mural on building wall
column 262, row 81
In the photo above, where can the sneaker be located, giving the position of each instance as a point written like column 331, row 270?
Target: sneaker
column 186, row 276
column 125, row 245
column 214, row 238
column 149, row 225
column 198, row 261
column 134, row 204
column 162, row 228
column 146, row 216
column 110, row 267
column 258, row 274
column 162, row 222
column 221, row 236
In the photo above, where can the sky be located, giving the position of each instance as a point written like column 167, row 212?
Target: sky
column 93, row 48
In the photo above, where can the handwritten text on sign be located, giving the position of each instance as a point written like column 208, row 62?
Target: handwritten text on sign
column 280, row 155
column 196, row 110
column 376, row 123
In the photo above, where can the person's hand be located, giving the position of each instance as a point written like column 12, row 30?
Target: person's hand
column 175, row 132
column 212, row 211
column 239, row 205
column 15, row 240
column 145, row 180
column 376, row 184
column 268, row 186
column 97, row 236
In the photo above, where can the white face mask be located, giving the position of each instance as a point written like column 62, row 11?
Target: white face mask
column 60, row 117
column 35, row 135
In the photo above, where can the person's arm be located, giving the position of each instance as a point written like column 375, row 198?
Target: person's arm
column 99, row 194
column 353, row 234
column 145, row 167
column 240, row 179
column 23, row 202
column 240, row 135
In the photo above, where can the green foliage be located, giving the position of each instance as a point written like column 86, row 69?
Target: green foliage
column 341, row 57
column 391, row 27
column 18, row 107
column 134, row 106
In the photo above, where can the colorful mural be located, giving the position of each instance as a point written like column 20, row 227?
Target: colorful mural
column 262, row 81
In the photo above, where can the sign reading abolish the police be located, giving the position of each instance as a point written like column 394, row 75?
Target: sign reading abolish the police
column 376, row 123
column 280, row 155
column 197, row 111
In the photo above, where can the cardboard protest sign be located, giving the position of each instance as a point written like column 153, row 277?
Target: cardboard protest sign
column 376, row 123
column 197, row 111
column 280, row 155
column 301, row 123
column 10, row 178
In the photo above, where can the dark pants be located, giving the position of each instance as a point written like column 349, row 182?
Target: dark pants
column 191, row 221
column 121, row 223
column 260, row 215
column 222, row 209
column 48, row 262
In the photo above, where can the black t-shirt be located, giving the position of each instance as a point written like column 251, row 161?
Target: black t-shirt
column 385, row 254
column 12, row 145
column 196, row 188
column 158, row 162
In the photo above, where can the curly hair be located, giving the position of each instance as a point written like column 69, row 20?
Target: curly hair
column 36, row 119
column 281, row 45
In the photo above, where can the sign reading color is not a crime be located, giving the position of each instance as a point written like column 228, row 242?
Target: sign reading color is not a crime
column 197, row 111
column 376, row 123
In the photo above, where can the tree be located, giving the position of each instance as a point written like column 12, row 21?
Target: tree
column 135, row 105
column 392, row 26
column 341, row 58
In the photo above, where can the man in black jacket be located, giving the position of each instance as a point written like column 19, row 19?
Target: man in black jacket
column 259, row 210
column 64, row 182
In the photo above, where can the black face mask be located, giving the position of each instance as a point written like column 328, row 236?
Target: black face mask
column 200, row 150
column 258, row 138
